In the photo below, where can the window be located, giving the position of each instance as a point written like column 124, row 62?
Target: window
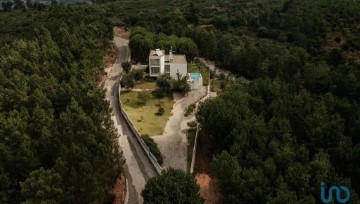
column 154, row 62
column 155, row 70
column 167, row 68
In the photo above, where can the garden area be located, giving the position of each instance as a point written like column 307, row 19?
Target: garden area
column 148, row 110
column 146, row 83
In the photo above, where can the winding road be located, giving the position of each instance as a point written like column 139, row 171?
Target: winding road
column 138, row 167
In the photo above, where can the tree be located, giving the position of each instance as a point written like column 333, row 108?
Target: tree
column 126, row 66
column 42, row 186
column 127, row 81
column 144, row 96
column 181, row 85
column 188, row 47
column 172, row 186
column 138, row 74
column 164, row 84
column 7, row 6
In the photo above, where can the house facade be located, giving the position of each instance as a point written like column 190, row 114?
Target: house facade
column 162, row 64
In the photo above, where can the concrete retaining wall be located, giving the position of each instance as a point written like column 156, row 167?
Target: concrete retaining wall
column 152, row 158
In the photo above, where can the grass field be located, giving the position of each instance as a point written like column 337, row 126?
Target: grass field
column 144, row 116
column 146, row 83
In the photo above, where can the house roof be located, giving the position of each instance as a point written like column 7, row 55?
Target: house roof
column 157, row 53
column 177, row 59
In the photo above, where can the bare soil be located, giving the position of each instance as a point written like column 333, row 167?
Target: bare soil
column 120, row 190
column 122, row 32
column 204, row 176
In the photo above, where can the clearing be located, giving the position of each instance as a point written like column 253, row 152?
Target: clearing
column 143, row 115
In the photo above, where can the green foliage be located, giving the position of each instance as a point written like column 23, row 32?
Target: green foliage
column 42, row 186
column 161, row 111
column 57, row 140
column 172, row 186
column 138, row 74
column 127, row 81
column 142, row 41
column 164, row 83
column 273, row 144
column 181, row 85
column 190, row 109
column 192, row 124
column 126, row 66
column 153, row 147
column 144, row 96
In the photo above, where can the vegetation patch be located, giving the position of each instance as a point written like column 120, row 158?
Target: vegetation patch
column 146, row 83
column 145, row 116
column 153, row 147
column 190, row 109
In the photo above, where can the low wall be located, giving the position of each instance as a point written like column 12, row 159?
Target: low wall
column 206, row 96
column 194, row 150
column 138, row 137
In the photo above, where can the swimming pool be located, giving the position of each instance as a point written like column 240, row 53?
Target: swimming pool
column 194, row 75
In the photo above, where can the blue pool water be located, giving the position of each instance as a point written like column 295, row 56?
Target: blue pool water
column 195, row 75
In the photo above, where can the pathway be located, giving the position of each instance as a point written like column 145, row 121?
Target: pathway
column 138, row 168
column 173, row 143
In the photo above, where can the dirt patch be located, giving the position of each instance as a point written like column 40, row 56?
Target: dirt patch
column 208, row 189
column 204, row 176
column 101, row 81
column 122, row 32
column 110, row 54
column 120, row 190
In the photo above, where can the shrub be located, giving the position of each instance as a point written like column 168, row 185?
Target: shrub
column 153, row 147
column 222, row 84
column 138, row 74
column 127, row 81
column 190, row 109
column 161, row 111
column 164, row 84
column 144, row 96
column 222, row 76
column 192, row 124
column 181, row 85
column 126, row 66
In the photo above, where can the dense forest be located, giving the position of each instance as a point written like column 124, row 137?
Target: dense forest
column 295, row 124
column 57, row 141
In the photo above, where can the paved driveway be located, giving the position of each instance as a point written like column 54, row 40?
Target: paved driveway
column 173, row 143
column 138, row 167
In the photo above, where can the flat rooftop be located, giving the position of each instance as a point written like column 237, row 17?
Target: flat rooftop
column 157, row 53
column 177, row 59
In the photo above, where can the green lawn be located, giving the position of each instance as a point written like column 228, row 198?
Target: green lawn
column 144, row 116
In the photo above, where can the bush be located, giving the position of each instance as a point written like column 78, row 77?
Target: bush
column 126, row 66
column 189, row 110
column 161, row 111
column 222, row 76
column 222, row 85
column 144, row 96
column 127, row 81
column 138, row 74
column 192, row 124
column 153, row 147
column 181, row 85
column 164, row 84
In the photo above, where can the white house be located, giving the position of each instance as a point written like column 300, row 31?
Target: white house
column 161, row 64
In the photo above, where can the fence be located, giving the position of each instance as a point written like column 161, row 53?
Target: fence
column 152, row 158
